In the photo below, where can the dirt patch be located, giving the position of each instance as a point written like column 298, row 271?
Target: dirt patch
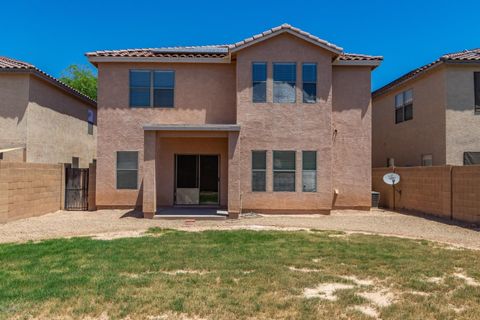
column 360, row 282
column 367, row 310
column 435, row 280
column 175, row 316
column 469, row 281
column 305, row 270
column 326, row 291
column 119, row 235
column 381, row 298
column 180, row 272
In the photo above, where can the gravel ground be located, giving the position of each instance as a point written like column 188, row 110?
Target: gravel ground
column 110, row 224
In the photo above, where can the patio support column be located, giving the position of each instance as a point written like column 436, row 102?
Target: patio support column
column 234, row 193
column 149, row 183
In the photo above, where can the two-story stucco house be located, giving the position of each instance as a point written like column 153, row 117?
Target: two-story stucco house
column 431, row 115
column 42, row 120
column 279, row 122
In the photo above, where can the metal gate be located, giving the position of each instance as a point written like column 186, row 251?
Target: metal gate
column 76, row 189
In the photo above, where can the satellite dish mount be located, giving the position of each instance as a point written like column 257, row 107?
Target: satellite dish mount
column 392, row 179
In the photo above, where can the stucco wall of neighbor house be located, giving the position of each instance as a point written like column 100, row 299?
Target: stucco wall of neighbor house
column 13, row 109
column 167, row 147
column 352, row 137
column 424, row 134
column 295, row 127
column 57, row 126
column 204, row 93
column 463, row 125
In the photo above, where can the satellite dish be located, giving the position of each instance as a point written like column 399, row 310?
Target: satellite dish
column 391, row 178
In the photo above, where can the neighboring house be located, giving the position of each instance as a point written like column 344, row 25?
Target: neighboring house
column 42, row 120
column 431, row 115
column 279, row 122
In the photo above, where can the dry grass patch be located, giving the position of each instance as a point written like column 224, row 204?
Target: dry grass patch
column 242, row 274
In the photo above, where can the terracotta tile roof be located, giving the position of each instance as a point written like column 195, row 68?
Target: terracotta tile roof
column 282, row 28
column 465, row 56
column 167, row 52
column 12, row 65
column 223, row 51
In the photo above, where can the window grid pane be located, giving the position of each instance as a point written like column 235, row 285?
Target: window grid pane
column 259, row 173
column 284, row 170
column 127, row 170
column 284, row 82
column 309, row 171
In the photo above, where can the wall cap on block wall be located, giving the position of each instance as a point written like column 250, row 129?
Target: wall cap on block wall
column 191, row 127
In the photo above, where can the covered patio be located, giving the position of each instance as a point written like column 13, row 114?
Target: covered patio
column 190, row 169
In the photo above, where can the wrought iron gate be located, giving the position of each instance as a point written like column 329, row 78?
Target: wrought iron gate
column 76, row 189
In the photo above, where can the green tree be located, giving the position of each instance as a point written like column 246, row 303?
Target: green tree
column 81, row 78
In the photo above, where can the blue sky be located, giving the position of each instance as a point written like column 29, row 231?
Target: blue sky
column 54, row 34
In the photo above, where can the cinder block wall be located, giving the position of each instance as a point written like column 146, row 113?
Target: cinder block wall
column 444, row 191
column 29, row 189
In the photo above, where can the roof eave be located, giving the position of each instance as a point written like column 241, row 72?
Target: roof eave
column 334, row 49
column 359, row 63
column 96, row 59
column 53, row 81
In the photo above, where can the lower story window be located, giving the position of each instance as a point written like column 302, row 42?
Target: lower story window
column 127, row 169
column 283, row 170
column 309, row 171
column 259, row 170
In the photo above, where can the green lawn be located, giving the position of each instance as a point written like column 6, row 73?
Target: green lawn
column 238, row 275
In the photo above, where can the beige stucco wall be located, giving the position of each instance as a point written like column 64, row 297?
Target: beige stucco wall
column 222, row 94
column 294, row 127
column 204, row 93
column 48, row 122
column 13, row 108
column 57, row 126
column 424, row 134
column 352, row 137
column 462, row 125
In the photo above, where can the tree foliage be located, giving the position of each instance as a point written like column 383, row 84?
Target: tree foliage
column 81, row 78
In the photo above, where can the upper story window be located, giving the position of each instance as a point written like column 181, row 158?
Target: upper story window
column 152, row 88
column 404, row 106
column 476, row 85
column 309, row 81
column 90, row 121
column 284, row 82
column 259, row 82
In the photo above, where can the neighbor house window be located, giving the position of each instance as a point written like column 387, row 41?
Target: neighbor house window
column 163, row 88
column 309, row 81
column 152, row 88
column 283, row 170
column 476, row 85
column 140, row 84
column 259, row 82
column 309, row 171
column 1, row 155
column 427, row 160
column 259, row 170
column 404, row 106
column 90, row 120
column 284, row 82
column 390, row 162
column 470, row 158
column 127, row 170
column 75, row 162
